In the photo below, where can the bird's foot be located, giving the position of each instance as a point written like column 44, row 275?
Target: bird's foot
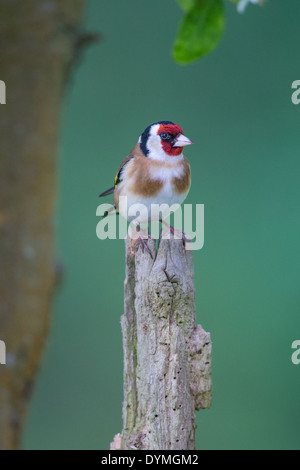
column 177, row 234
column 144, row 246
column 143, row 237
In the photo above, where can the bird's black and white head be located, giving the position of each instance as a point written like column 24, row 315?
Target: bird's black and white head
column 163, row 141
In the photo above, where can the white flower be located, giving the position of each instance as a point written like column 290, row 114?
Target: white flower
column 242, row 5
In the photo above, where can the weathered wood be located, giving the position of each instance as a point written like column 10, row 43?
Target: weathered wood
column 38, row 43
column 167, row 358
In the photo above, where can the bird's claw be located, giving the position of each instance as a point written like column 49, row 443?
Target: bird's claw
column 177, row 234
column 144, row 246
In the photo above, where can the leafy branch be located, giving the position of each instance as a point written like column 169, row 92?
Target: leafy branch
column 202, row 27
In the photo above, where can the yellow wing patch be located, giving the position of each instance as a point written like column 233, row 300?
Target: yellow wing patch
column 118, row 176
column 116, row 180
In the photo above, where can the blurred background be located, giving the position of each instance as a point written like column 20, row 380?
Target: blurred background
column 236, row 105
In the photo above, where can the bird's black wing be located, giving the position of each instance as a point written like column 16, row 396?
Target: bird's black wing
column 118, row 177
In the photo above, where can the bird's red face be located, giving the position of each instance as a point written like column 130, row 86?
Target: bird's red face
column 172, row 139
column 163, row 141
column 168, row 134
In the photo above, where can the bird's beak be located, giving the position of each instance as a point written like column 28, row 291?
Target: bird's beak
column 182, row 141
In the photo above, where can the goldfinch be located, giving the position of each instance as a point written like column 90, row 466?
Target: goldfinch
column 154, row 172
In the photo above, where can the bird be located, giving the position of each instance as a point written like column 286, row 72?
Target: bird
column 154, row 172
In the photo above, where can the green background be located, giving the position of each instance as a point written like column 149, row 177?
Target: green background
column 236, row 105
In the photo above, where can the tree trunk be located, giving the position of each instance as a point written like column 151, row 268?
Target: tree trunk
column 167, row 358
column 38, row 41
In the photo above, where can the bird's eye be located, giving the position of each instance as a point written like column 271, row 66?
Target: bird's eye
column 164, row 136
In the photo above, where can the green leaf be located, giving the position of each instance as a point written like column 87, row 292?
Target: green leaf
column 200, row 31
column 187, row 5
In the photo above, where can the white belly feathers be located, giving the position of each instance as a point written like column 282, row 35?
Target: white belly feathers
column 134, row 206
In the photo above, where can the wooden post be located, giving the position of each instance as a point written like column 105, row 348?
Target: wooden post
column 167, row 357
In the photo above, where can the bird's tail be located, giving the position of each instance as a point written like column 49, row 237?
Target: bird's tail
column 108, row 192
